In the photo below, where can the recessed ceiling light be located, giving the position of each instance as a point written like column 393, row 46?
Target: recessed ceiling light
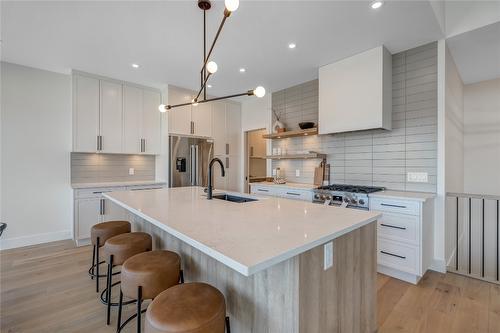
column 291, row 45
column 135, row 65
column 376, row 4
column 242, row 70
column 209, row 86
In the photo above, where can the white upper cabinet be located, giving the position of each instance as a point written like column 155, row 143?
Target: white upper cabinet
column 86, row 113
column 233, row 128
column 111, row 117
column 356, row 93
column 132, row 119
column 151, row 119
column 188, row 120
column 201, row 116
column 219, row 128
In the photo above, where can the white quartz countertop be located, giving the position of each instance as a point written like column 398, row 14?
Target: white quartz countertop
column 248, row 237
column 404, row 195
column 300, row 186
column 116, row 184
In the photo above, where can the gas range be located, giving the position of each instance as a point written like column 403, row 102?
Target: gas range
column 351, row 195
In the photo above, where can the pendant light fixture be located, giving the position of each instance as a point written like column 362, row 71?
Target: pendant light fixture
column 210, row 67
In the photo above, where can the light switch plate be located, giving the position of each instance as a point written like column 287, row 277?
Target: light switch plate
column 418, row 177
column 297, row 173
column 328, row 255
column 131, row 171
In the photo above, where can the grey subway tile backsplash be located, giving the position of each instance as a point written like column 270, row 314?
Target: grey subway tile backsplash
column 374, row 157
column 96, row 168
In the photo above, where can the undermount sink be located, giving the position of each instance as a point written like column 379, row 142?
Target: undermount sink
column 233, row 198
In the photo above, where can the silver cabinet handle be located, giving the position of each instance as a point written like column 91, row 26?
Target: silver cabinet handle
column 262, row 190
column 97, row 143
column 392, row 254
column 227, row 148
column 390, row 205
column 392, row 226
column 101, row 207
column 144, row 145
column 192, row 127
column 227, row 162
column 292, row 193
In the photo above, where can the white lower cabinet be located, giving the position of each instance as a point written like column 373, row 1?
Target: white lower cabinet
column 280, row 191
column 404, row 233
column 90, row 208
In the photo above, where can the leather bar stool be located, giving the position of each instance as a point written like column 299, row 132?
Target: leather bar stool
column 145, row 276
column 188, row 308
column 99, row 234
column 117, row 249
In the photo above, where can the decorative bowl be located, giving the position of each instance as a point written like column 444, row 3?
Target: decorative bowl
column 306, row 125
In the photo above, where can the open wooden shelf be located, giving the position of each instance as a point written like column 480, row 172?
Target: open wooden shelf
column 291, row 134
column 296, row 156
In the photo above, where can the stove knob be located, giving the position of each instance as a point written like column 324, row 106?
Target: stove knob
column 322, row 197
column 316, row 196
column 353, row 201
column 346, row 200
column 361, row 202
column 328, row 197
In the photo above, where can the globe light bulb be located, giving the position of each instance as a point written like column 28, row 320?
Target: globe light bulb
column 162, row 108
column 232, row 5
column 376, row 4
column 259, row 91
column 212, row 67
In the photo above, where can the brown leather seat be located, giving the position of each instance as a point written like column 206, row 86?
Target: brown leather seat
column 188, row 307
column 106, row 230
column 153, row 271
column 124, row 246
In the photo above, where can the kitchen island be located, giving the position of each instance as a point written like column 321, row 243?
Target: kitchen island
column 268, row 256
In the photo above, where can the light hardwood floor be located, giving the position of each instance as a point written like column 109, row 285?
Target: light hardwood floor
column 45, row 288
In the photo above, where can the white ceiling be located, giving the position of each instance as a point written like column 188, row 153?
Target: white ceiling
column 165, row 38
column 477, row 53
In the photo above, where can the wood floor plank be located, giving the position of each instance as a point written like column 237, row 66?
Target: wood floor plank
column 45, row 288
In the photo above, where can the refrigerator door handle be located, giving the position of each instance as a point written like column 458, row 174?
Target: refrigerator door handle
column 191, row 164
column 197, row 171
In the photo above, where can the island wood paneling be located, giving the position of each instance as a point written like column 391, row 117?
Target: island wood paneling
column 296, row 295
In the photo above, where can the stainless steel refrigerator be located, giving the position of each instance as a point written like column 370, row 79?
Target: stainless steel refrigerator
column 189, row 158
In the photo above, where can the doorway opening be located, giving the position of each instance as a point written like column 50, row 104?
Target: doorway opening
column 255, row 157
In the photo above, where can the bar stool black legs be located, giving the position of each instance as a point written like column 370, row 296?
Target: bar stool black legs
column 108, row 289
column 228, row 326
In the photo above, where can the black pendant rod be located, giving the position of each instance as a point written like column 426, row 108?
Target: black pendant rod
column 205, row 78
column 203, row 88
column 226, row 15
column 248, row 93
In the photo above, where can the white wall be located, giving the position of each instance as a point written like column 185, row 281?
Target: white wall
column 482, row 137
column 454, row 123
column 36, row 144
column 256, row 113
column 454, row 148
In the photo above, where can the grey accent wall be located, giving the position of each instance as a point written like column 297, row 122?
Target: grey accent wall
column 375, row 157
column 95, row 168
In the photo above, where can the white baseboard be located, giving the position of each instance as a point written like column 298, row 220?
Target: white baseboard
column 11, row 243
column 438, row 265
column 407, row 277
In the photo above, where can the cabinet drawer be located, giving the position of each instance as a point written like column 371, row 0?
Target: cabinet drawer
column 396, row 206
column 264, row 190
column 399, row 227
column 297, row 194
column 95, row 192
column 398, row 256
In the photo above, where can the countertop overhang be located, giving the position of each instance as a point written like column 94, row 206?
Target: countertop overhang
column 247, row 237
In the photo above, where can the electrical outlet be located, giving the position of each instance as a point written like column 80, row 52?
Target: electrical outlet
column 328, row 255
column 131, row 171
column 418, row 177
column 297, row 173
